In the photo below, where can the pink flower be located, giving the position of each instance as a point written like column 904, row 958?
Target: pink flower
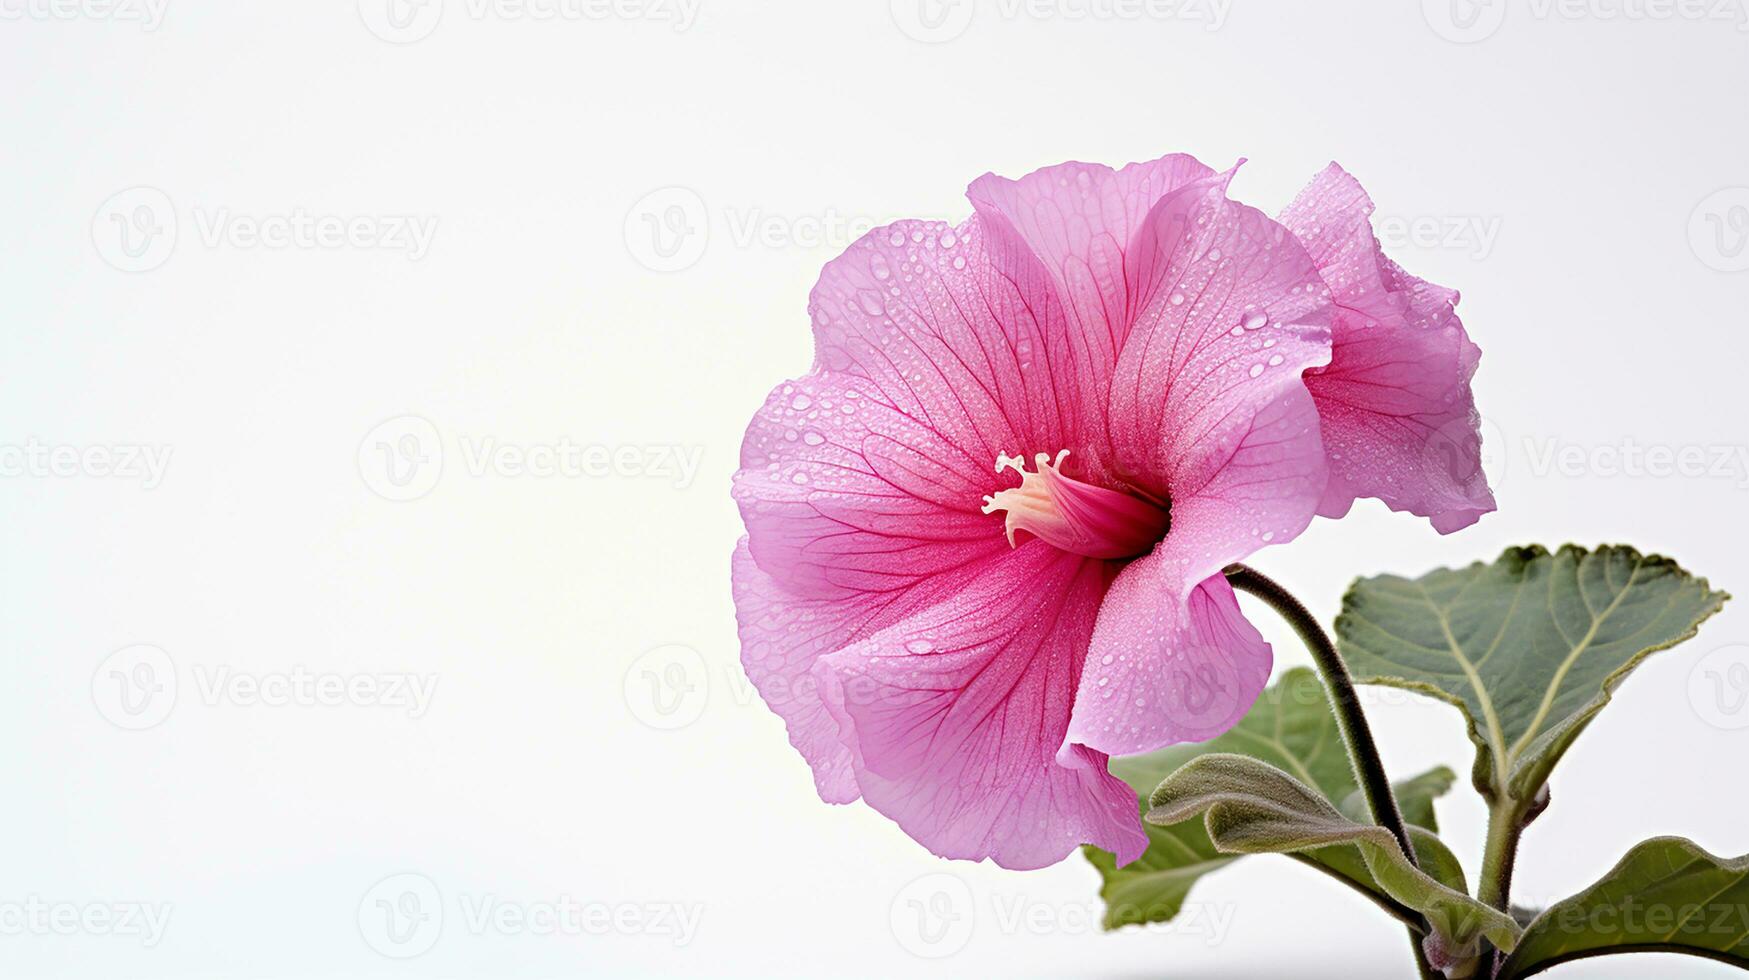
column 1395, row 404
column 986, row 531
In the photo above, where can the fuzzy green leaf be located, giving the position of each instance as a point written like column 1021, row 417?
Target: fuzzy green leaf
column 1666, row 896
column 1530, row 647
column 1291, row 726
column 1251, row 807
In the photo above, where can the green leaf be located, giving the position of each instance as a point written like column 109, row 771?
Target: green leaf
column 1530, row 648
column 1666, row 896
column 1291, row 725
column 1251, row 807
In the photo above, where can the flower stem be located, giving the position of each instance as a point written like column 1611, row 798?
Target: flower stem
column 1506, row 820
column 1363, row 752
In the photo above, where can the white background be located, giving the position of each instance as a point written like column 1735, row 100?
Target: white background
column 1578, row 155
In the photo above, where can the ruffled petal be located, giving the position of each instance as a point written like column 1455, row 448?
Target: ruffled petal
column 1073, row 225
column 1178, row 660
column 869, row 473
column 783, row 634
column 1165, row 669
column 1235, row 314
column 954, row 717
column 1399, row 420
column 843, row 493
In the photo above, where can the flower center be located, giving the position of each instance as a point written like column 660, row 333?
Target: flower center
column 1076, row 517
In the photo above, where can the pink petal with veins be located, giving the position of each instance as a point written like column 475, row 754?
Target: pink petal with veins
column 1399, row 420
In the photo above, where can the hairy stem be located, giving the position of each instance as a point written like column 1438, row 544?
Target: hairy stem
column 1363, row 752
column 1506, row 820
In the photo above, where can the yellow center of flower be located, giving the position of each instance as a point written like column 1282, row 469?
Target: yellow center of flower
column 1077, row 517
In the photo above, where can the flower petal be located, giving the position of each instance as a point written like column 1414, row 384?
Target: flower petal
column 869, row 473
column 1178, row 660
column 954, row 717
column 1165, row 669
column 1074, row 225
column 1399, row 419
column 783, row 634
column 842, row 493
column 1235, row 312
